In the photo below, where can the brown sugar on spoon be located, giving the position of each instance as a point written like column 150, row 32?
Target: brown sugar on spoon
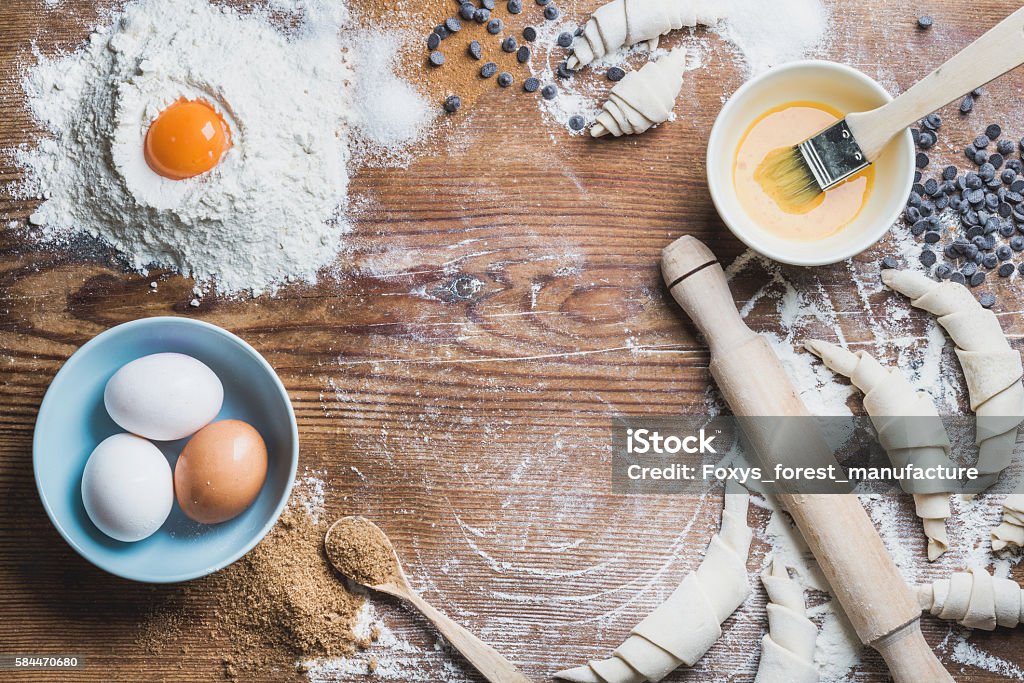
column 360, row 551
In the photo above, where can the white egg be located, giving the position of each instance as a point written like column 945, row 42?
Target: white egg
column 127, row 487
column 165, row 396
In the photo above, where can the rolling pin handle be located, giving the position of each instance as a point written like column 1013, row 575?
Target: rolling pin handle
column 697, row 282
column 910, row 658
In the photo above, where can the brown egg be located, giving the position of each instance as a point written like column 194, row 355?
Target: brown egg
column 220, row 471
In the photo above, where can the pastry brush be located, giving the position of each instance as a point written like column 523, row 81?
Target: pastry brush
column 800, row 173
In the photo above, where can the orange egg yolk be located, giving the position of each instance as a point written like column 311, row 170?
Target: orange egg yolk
column 186, row 139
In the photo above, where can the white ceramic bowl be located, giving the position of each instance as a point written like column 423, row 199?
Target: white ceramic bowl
column 844, row 88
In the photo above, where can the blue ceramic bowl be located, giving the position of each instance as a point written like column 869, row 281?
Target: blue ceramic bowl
column 72, row 421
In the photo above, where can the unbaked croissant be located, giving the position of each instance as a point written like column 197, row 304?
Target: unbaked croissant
column 992, row 369
column 643, row 98
column 1010, row 532
column 908, row 427
column 974, row 599
column 688, row 623
column 621, row 23
column 787, row 650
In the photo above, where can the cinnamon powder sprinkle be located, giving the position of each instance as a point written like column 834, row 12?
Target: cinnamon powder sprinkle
column 361, row 551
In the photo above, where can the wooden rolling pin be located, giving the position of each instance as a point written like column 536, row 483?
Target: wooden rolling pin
column 863, row 577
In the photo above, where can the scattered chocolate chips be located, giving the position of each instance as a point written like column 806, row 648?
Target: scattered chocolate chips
column 452, row 104
column 615, row 74
column 925, row 22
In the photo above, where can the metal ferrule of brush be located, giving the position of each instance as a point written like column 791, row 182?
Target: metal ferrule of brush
column 833, row 155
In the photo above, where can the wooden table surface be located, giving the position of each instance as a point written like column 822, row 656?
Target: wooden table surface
column 499, row 301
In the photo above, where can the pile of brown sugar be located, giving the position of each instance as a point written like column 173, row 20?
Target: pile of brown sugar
column 361, row 551
column 278, row 605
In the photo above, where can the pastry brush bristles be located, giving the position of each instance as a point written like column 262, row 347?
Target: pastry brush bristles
column 785, row 176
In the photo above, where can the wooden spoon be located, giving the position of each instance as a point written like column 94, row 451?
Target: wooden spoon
column 485, row 658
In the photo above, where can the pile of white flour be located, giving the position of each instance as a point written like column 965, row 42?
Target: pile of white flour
column 271, row 210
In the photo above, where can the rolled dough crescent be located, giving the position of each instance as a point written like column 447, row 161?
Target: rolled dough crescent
column 908, row 427
column 643, row 98
column 974, row 599
column 688, row 623
column 787, row 650
column 991, row 367
column 622, row 23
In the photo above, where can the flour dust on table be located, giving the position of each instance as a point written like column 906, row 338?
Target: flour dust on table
column 267, row 204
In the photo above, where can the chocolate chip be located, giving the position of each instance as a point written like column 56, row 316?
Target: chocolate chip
column 958, row 278
column 481, row 15
column 990, row 261
column 932, row 237
column 550, row 12
column 563, row 71
column 967, row 104
column 564, row 39
column 577, row 122
column 433, row 41
column 442, row 31
column 531, row 84
column 436, row 58
column 530, row 34
column 1006, row 270
column 453, row 24
column 504, row 79
column 889, row 263
column 514, row 6
column 925, row 21
column 949, row 173
column 977, row 279
column 932, row 121
column 494, row 26
column 475, row 50
column 921, row 160
column 467, row 11
column 993, row 131
column 615, row 74
column 509, row 44
column 942, row 271
column 452, row 104
column 1004, row 147
column 523, row 54
column 927, row 258
column 926, row 139
column 487, row 4
column 549, row 92
column 488, row 69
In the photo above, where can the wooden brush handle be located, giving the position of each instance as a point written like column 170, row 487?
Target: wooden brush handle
column 987, row 58
column 860, row 571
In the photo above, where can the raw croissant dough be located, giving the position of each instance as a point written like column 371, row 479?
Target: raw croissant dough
column 1011, row 531
column 688, row 623
column 621, row 23
column 908, row 426
column 992, row 369
column 975, row 600
column 643, row 98
column 787, row 650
